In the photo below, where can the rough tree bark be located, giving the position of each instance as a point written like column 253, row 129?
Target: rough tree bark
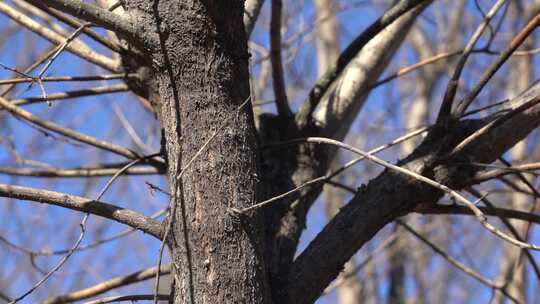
column 196, row 52
column 201, row 67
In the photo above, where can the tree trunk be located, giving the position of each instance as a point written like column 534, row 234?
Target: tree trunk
column 201, row 69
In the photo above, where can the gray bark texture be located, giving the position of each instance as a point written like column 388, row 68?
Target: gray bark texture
column 201, row 69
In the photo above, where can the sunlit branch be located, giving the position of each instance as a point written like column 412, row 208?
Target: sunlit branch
column 13, row 109
column 129, row 298
column 69, row 78
column 78, row 172
column 76, row 48
column 303, row 116
column 498, row 172
column 251, row 14
column 463, row 210
column 72, row 94
column 451, row 89
column 83, row 204
column 108, row 285
column 496, row 65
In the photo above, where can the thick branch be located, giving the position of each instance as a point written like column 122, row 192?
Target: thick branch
column 311, row 163
column 341, row 104
column 391, row 194
column 303, row 117
column 251, row 13
column 124, row 216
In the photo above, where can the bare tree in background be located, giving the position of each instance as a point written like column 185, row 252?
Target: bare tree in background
column 227, row 131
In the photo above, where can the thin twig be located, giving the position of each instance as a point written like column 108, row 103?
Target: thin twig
column 477, row 212
column 112, row 45
column 451, row 89
column 30, row 78
column 463, row 210
column 17, row 111
column 59, row 50
column 510, row 227
column 108, row 285
column 41, row 58
column 101, row 90
column 496, row 65
column 79, row 49
column 130, row 298
column 453, row 261
column 95, row 14
column 327, row 177
column 82, row 224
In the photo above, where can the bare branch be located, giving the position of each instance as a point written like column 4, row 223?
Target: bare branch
column 94, row 14
column 494, row 67
column 111, row 284
column 41, row 58
column 130, row 298
column 75, row 47
column 72, row 94
column 503, row 132
column 451, row 89
column 278, row 79
column 76, row 24
column 498, row 172
column 393, row 194
column 344, row 100
column 13, row 109
column 303, row 117
column 463, row 210
column 83, row 204
column 79, row 172
column 69, row 78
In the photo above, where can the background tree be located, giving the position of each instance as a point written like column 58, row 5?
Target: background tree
column 216, row 126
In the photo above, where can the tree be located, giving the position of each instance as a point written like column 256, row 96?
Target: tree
column 241, row 181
